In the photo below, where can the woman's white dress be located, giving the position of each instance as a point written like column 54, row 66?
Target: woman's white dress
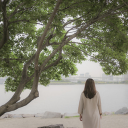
column 90, row 109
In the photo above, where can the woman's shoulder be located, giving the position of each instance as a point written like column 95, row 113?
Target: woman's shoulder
column 82, row 93
column 97, row 93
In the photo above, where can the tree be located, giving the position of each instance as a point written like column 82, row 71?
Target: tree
column 29, row 55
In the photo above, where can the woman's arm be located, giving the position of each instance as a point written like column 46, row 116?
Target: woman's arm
column 99, row 105
column 80, row 117
column 80, row 108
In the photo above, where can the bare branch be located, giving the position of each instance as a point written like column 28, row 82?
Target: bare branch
column 15, row 11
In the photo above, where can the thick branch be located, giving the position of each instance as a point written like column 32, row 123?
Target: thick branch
column 52, row 64
column 34, row 92
column 1, row 4
column 5, row 26
column 36, row 75
column 46, row 30
column 23, row 102
column 56, row 62
column 23, row 81
column 93, row 20
column 70, row 38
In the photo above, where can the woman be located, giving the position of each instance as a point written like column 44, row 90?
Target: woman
column 90, row 106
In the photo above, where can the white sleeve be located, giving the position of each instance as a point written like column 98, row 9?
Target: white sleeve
column 99, row 104
column 81, row 105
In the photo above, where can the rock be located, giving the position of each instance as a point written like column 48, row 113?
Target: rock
column 126, row 113
column 51, row 115
column 17, row 116
column 27, row 115
column 39, row 115
column 62, row 115
column 10, row 115
column 4, row 116
column 70, row 114
column 53, row 126
column 122, row 111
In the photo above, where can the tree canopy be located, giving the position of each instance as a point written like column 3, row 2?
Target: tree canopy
column 30, row 55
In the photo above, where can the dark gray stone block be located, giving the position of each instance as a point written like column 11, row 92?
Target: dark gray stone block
column 53, row 126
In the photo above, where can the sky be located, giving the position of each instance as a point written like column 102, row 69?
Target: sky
column 94, row 69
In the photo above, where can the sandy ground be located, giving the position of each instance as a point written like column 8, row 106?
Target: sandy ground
column 109, row 121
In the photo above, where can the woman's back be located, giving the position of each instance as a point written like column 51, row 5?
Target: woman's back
column 90, row 109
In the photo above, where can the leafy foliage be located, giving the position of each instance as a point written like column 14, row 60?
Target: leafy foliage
column 103, row 39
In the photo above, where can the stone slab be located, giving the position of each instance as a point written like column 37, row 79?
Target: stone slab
column 48, row 114
column 27, row 115
column 39, row 115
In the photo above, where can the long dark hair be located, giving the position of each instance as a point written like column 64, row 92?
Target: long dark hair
column 89, row 89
